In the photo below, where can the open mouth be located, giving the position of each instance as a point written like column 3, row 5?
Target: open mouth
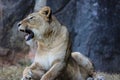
column 29, row 34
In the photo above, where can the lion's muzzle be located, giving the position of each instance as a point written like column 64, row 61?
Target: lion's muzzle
column 29, row 33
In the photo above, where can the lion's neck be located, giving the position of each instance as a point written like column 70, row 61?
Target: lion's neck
column 55, row 40
column 54, row 36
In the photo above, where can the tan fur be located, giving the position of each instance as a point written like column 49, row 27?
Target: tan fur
column 53, row 60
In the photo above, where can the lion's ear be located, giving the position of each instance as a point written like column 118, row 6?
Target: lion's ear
column 46, row 12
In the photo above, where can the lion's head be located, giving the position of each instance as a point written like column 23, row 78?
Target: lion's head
column 35, row 24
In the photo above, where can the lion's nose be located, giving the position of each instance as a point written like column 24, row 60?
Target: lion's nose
column 19, row 24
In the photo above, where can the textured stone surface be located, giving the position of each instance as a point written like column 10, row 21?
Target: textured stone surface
column 94, row 27
column 11, row 12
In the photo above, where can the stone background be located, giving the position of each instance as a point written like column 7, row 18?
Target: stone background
column 94, row 26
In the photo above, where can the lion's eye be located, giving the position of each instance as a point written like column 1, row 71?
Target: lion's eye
column 31, row 19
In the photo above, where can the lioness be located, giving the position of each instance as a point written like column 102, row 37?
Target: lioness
column 53, row 59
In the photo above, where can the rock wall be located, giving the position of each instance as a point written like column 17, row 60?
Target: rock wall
column 12, row 11
column 95, row 29
column 93, row 26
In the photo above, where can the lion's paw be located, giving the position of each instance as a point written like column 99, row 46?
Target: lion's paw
column 27, row 74
column 100, row 78
column 27, row 78
column 90, row 78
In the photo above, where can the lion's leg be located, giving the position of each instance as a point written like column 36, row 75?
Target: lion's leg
column 84, row 62
column 54, row 71
column 87, row 65
column 37, row 74
column 33, row 72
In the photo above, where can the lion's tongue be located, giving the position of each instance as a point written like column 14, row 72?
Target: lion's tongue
column 28, row 37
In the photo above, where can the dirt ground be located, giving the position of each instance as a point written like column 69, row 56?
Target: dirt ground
column 11, row 73
column 15, row 73
column 11, row 69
